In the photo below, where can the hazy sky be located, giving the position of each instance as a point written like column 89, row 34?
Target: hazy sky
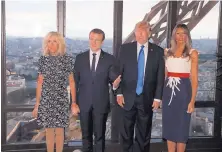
column 36, row 18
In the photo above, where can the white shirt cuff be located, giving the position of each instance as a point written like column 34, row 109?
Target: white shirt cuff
column 158, row 100
column 119, row 95
column 114, row 88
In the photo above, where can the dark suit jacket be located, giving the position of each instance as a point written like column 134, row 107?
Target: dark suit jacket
column 153, row 79
column 94, row 91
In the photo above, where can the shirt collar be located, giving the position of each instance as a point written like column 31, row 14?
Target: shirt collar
column 97, row 52
column 145, row 44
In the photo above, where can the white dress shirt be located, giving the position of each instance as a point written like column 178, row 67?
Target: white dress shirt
column 146, row 55
column 91, row 57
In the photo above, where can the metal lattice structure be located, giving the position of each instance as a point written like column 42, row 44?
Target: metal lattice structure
column 188, row 12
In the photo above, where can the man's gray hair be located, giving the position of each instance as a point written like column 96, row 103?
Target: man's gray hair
column 143, row 25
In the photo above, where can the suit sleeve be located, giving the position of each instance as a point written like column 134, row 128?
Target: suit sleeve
column 160, row 75
column 120, row 66
column 113, row 70
column 77, row 76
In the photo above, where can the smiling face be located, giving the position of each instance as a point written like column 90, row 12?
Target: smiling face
column 53, row 45
column 181, row 40
column 181, row 36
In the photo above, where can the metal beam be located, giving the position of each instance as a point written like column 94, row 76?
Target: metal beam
column 171, row 20
column 3, row 75
column 61, row 17
column 190, row 13
column 218, row 93
column 117, row 26
column 117, row 41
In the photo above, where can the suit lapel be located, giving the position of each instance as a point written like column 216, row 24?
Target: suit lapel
column 134, row 53
column 149, row 61
column 100, row 62
column 88, row 61
column 134, row 59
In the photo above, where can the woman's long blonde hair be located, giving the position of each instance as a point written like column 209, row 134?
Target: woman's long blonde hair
column 60, row 40
column 188, row 45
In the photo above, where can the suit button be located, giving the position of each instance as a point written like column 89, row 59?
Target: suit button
column 93, row 82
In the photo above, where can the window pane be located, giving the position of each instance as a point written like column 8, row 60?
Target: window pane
column 202, row 122
column 205, row 41
column 21, row 127
column 27, row 22
column 96, row 14
column 157, row 124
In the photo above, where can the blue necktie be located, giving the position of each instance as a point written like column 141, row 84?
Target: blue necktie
column 141, row 63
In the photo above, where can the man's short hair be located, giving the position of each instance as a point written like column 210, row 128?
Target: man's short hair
column 143, row 25
column 98, row 31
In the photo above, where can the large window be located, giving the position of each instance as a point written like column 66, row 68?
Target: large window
column 27, row 22
column 204, row 37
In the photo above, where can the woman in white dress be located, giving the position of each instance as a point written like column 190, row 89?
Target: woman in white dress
column 180, row 89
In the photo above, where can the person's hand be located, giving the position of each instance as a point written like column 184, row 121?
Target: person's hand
column 120, row 100
column 75, row 109
column 155, row 105
column 191, row 107
column 117, row 81
column 166, row 51
column 35, row 111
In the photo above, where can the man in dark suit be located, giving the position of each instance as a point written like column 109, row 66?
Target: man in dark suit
column 94, row 70
column 140, row 91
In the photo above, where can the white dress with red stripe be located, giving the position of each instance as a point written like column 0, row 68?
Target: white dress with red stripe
column 176, row 97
